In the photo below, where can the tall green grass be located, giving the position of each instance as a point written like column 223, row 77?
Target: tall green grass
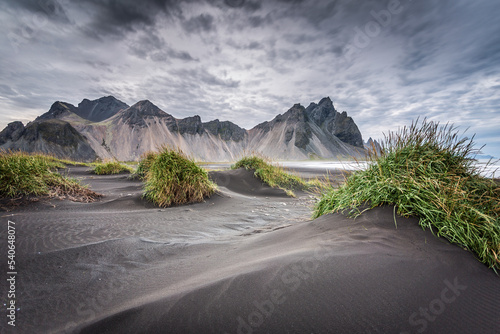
column 273, row 176
column 145, row 164
column 23, row 174
column 110, row 167
column 426, row 170
column 173, row 179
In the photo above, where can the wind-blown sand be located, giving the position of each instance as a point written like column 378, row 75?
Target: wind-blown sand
column 248, row 260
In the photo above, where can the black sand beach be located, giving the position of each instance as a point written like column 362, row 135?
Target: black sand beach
column 248, row 260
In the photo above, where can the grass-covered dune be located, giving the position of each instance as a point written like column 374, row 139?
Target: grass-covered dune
column 171, row 178
column 25, row 175
column 111, row 167
column 426, row 170
column 273, row 176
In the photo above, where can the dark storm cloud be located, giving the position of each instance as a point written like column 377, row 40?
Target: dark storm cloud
column 200, row 23
column 248, row 6
column 252, row 6
column 182, row 55
column 146, row 43
column 149, row 45
column 468, row 34
column 256, row 21
column 117, row 17
column 235, row 3
column 49, row 8
column 291, row 2
column 422, row 35
column 325, row 11
column 485, row 58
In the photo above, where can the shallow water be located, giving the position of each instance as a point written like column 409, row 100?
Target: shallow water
column 487, row 168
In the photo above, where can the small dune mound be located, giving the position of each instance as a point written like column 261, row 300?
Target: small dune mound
column 427, row 170
column 243, row 181
column 273, row 176
column 111, row 167
column 173, row 179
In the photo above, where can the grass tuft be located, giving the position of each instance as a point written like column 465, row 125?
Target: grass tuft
column 110, row 167
column 173, row 179
column 23, row 175
column 145, row 164
column 426, row 170
column 273, row 176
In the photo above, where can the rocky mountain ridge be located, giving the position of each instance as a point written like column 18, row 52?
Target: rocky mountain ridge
column 114, row 130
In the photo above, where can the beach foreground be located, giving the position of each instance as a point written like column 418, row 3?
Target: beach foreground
column 248, row 260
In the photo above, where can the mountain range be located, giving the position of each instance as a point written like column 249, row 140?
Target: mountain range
column 108, row 128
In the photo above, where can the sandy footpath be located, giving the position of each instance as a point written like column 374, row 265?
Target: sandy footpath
column 248, row 260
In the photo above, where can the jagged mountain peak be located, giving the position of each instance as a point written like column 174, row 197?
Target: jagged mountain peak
column 326, row 101
column 226, row 130
column 191, row 125
column 57, row 110
column 295, row 114
column 195, row 118
column 105, row 99
column 300, row 121
column 100, row 109
column 94, row 111
column 146, row 108
column 373, row 145
column 320, row 112
column 142, row 110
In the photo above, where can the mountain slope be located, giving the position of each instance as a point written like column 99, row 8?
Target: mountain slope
column 303, row 133
column 91, row 111
column 145, row 127
column 100, row 109
column 49, row 136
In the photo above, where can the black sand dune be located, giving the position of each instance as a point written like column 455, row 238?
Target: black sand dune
column 242, row 181
column 245, row 261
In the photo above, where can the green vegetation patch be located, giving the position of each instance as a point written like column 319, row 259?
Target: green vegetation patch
column 173, row 179
column 111, row 167
column 273, row 176
column 145, row 164
column 425, row 170
column 24, row 174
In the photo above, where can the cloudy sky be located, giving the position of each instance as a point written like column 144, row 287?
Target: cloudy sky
column 384, row 62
